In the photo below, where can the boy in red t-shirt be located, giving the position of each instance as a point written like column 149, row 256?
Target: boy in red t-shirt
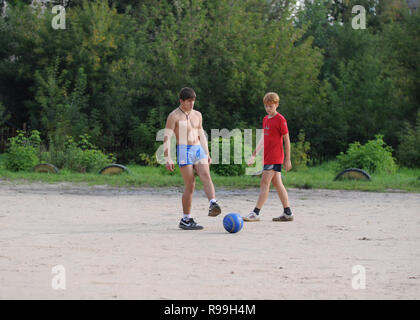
column 275, row 131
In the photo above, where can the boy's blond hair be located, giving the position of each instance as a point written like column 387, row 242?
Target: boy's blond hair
column 271, row 97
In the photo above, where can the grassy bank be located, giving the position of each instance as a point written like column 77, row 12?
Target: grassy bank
column 319, row 177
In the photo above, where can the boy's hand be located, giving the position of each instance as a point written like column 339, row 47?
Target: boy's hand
column 170, row 165
column 209, row 160
column 251, row 161
column 288, row 165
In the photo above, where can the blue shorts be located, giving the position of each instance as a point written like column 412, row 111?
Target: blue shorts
column 189, row 154
column 275, row 167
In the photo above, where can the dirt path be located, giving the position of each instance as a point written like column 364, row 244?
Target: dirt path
column 125, row 244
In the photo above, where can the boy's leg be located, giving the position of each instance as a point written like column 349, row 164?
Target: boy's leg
column 266, row 178
column 284, row 198
column 189, row 183
column 281, row 190
column 203, row 171
column 187, row 222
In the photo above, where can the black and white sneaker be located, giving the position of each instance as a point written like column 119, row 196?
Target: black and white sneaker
column 285, row 217
column 189, row 224
column 214, row 209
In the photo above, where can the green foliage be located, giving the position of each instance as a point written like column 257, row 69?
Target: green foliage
column 228, row 170
column 20, row 158
column 408, row 152
column 3, row 116
column 94, row 160
column 403, row 53
column 299, row 152
column 111, row 68
column 374, row 157
column 84, row 142
column 22, row 153
column 218, row 166
column 61, row 110
column 80, row 156
column 115, row 72
column 143, row 135
column 369, row 77
column 148, row 160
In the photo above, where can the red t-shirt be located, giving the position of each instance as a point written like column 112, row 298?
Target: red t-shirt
column 274, row 130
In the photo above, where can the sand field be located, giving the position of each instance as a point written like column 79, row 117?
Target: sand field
column 125, row 244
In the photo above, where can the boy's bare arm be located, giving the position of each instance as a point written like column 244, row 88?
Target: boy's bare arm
column 287, row 162
column 169, row 131
column 260, row 145
column 203, row 139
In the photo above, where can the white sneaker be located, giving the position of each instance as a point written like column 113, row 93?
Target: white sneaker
column 251, row 217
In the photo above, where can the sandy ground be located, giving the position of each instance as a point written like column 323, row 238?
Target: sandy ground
column 125, row 244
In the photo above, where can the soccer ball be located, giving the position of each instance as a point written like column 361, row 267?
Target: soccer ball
column 233, row 222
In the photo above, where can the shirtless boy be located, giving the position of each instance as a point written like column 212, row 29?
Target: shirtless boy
column 192, row 154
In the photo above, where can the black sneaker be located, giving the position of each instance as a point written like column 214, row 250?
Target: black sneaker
column 214, row 209
column 189, row 224
column 284, row 217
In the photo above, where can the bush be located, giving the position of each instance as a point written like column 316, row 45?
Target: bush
column 20, row 158
column 81, row 156
column 374, row 156
column 299, row 152
column 2, row 159
column 148, row 160
column 408, row 153
column 94, row 160
column 23, row 151
column 227, row 169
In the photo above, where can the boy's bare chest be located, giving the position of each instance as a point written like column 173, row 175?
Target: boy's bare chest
column 190, row 122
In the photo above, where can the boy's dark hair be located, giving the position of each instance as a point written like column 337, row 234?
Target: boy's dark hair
column 187, row 93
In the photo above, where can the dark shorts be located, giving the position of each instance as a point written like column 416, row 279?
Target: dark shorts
column 275, row 167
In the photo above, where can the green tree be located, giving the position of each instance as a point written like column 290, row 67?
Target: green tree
column 96, row 39
column 408, row 152
column 61, row 111
column 116, row 70
column 403, row 53
column 3, row 115
column 364, row 87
